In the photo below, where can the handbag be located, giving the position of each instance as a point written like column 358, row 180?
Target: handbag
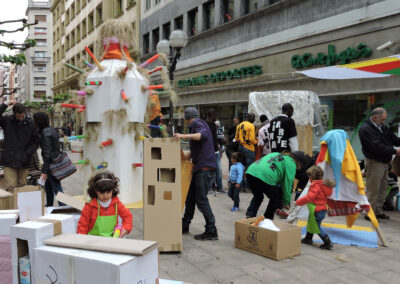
column 62, row 167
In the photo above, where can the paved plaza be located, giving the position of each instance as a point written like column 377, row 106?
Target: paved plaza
column 220, row 262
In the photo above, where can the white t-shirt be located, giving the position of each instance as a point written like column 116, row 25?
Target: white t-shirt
column 263, row 139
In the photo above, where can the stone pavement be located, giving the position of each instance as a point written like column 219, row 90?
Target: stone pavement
column 220, row 262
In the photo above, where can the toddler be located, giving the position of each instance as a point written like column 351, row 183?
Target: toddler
column 100, row 215
column 316, row 200
column 235, row 179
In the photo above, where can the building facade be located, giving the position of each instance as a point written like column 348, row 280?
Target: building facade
column 237, row 47
column 75, row 25
column 38, row 72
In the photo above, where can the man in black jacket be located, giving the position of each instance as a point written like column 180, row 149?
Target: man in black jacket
column 377, row 146
column 20, row 142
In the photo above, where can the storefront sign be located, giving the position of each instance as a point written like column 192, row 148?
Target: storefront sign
column 307, row 59
column 234, row 74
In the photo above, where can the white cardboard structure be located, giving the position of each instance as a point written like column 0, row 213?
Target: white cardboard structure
column 124, row 151
column 6, row 221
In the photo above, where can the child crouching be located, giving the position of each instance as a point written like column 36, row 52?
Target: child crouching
column 235, row 179
column 316, row 200
column 100, row 215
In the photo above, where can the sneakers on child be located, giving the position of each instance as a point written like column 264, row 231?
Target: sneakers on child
column 234, row 208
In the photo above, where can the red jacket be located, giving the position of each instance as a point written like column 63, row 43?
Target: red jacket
column 317, row 194
column 89, row 215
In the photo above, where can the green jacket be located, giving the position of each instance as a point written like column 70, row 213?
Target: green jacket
column 274, row 169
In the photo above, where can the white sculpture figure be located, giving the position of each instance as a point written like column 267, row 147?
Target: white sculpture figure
column 116, row 118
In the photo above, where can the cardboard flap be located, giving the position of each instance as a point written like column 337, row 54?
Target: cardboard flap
column 71, row 201
column 56, row 223
column 4, row 193
column 104, row 244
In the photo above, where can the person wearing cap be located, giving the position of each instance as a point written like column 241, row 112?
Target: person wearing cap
column 246, row 135
column 204, row 161
column 273, row 176
column 282, row 131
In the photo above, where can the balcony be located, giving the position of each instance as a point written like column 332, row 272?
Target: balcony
column 40, row 59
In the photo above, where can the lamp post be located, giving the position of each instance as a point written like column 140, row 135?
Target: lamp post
column 172, row 47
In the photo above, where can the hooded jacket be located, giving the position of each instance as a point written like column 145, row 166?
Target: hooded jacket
column 318, row 194
column 20, row 140
column 89, row 215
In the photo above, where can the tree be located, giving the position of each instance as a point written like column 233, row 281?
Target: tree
column 18, row 59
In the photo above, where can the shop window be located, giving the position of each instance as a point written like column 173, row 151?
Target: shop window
column 348, row 113
column 146, row 44
column 166, row 30
column 178, row 23
column 208, row 12
column 155, row 37
column 249, row 6
column 228, row 8
column 40, row 18
column 192, row 21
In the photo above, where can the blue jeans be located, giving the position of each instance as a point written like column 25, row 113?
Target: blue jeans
column 218, row 172
column 197, row 195
column 319, row 216
column 52, row 187
column 249, row 156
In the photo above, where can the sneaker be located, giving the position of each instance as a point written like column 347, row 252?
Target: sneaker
column 282, row 214
column 234, row 208
column 382, row 216
column 207, row 236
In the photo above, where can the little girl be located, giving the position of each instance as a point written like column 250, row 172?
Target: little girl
column 316, row 200
column 235, row 179
column 100, row 216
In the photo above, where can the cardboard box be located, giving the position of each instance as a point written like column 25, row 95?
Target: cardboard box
column 6, row 200
column 65, row 210
column 272, row 244
column 31, row 234
column 70, row 258
column 162, row 193
column 6, row 221
column 5, row 260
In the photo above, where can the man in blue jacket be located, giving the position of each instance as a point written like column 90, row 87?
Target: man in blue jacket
column 377, row 143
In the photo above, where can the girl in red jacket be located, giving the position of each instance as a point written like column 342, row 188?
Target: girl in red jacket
column 316, row 200
column 100, row 215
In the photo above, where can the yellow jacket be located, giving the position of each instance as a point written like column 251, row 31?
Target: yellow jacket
column 246, row 135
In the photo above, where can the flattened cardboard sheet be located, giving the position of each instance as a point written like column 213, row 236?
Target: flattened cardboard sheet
column 97, row 243
column 71, row 201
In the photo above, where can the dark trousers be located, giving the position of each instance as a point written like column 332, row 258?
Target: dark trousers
column 197, row 195
column 234, row 194
column 155, row 132
column 259, row 188
column 52, row 187
column 248, row 156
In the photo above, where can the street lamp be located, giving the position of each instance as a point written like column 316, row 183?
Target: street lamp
column 172, row 47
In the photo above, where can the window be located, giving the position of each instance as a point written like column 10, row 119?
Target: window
column 67, row 45
column 134, row 27
column 148, row 5
column 130, row 3
column 84, row 28
column 99, row 14
column 40, row 53
column 40, row 31
column 166, row 30
column 91, row 22
column 72, row 14
column 118, row 7
column 78, row 33
column 39, row 67
column 40, row 18
column 249, row 6
column 39, row 80
column 228, row 8
column 179, row 23
column 67, row 17
column 156, row 38
column 348, row 113
column 41, row 42
column 209, row 10
column 146, row 44
column 78, row 6
column 192, row 21
column 72, row 38
column 39, row 94
column 157, row 2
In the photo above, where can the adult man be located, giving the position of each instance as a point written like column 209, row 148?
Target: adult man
column 203, row 158
column 282, row 131
column 211, row 118
column 20, row 142
column 263, row 136
column 233, row 145
column 246, row 135
column 377, row 146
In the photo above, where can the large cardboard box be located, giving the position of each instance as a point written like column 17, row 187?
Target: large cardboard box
column 6, row 200
column 31, row 234
column 70, row 259
column 163, row 188
column 272, row 244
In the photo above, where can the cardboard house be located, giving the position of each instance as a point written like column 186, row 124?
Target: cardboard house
column 166, row 182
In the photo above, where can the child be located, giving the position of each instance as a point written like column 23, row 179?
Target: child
column 100, row 215
column 316, row 200
column 235, row 179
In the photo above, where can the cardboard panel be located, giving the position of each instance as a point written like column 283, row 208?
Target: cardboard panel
column 305, row 138
column 6, row 221
column 6, row 200
column 272, row 244
column 186, row 179
column 71, row 201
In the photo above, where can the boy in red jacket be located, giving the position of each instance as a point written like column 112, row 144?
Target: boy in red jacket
column 316, row 200
column 100, row 216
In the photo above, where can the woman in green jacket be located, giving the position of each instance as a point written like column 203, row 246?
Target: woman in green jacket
column 273, row 176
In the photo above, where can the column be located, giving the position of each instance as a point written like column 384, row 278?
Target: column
column 200, row 19
column 218, row 17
